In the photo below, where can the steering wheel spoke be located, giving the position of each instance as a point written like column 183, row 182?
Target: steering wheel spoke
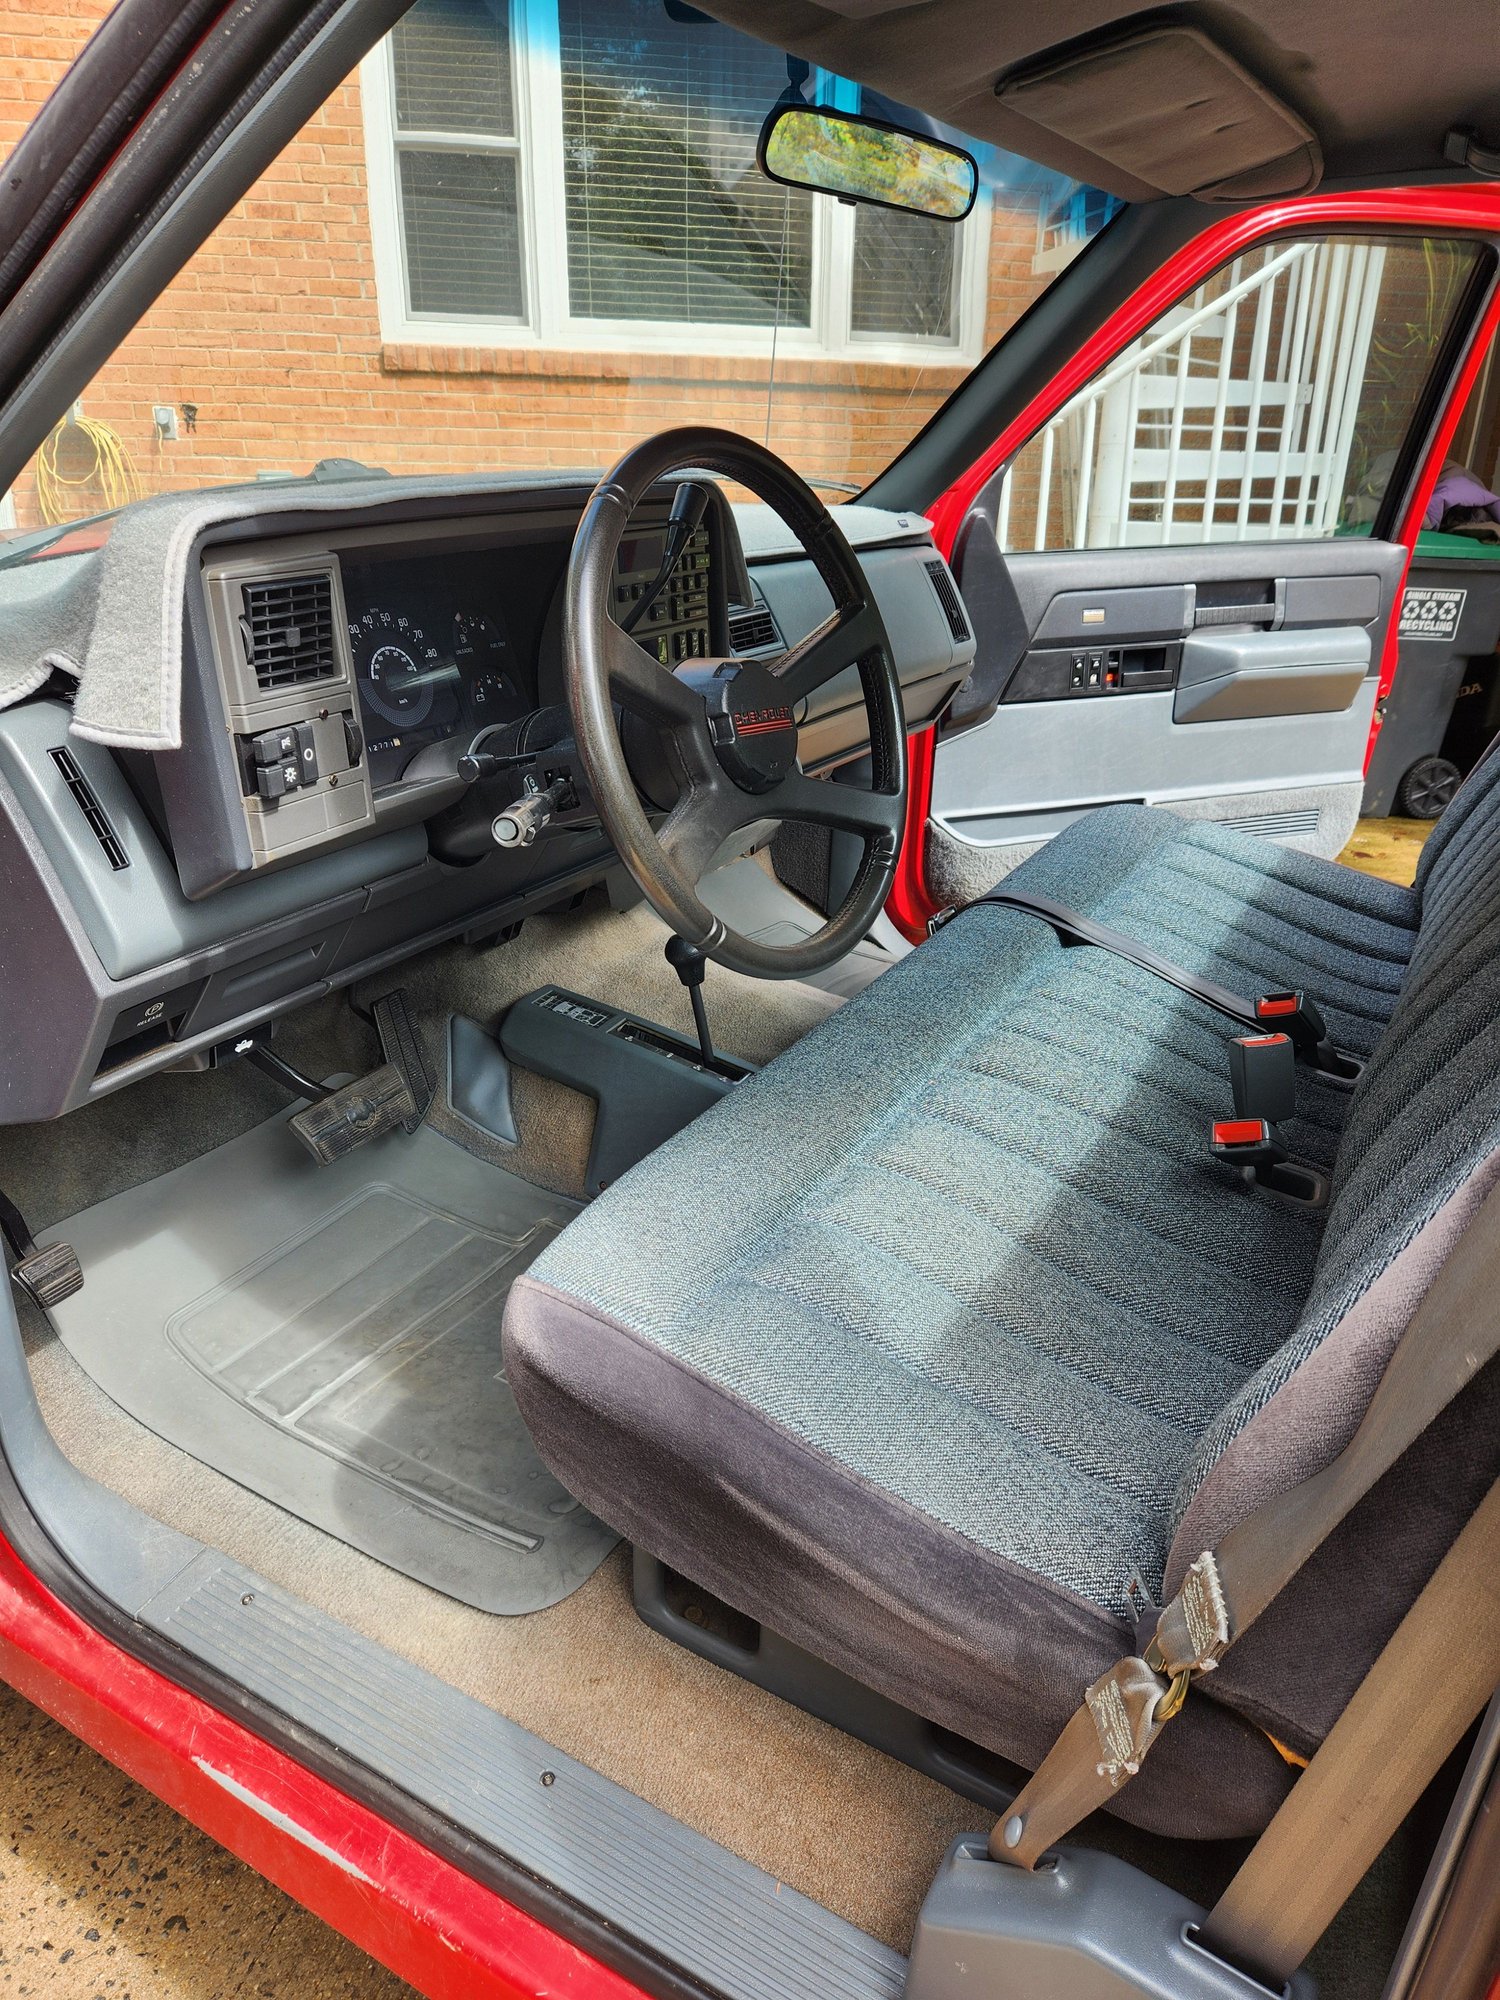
column 648, row 689
column 879, row 816
column 829, row 649
column 699, row 824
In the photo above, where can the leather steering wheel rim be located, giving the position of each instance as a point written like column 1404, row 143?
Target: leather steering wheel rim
column 738, row 764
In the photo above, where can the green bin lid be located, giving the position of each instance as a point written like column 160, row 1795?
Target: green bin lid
column 1443, row 548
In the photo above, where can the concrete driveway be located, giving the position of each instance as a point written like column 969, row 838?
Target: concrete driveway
column 105, row 1894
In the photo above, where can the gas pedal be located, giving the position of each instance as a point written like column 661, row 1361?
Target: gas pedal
column 356, row 1113
column 402, row 1050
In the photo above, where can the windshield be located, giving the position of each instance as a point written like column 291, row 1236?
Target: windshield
column 526, row 236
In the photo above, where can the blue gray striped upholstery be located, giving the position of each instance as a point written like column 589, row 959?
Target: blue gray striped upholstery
column 944, row 1341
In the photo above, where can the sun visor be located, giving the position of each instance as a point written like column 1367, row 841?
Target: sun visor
column 1167, row 107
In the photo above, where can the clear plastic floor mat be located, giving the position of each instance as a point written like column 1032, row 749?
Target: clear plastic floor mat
column 330, row 1338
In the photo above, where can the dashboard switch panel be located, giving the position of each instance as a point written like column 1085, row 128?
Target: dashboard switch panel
column 293, row 732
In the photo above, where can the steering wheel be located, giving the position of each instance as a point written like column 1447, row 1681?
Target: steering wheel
column 728, row 727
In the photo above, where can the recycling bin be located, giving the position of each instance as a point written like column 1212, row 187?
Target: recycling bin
column 1444, row 704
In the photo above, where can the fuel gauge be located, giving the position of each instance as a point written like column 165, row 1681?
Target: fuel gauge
column 477, row 640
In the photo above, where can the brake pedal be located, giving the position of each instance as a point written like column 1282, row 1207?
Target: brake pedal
column 401, row 1049
column 49, row 1276
column 354, row 1114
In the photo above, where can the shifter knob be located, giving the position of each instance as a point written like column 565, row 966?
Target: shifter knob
column 686, row 961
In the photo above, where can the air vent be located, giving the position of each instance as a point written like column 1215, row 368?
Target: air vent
column 948, row 597
column 288, row 631
column 1297, row 825
column 89, row 806
column 752, row 631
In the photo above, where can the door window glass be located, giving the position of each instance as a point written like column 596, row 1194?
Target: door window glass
column 1269, row 404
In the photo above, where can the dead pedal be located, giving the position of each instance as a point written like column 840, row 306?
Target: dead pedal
column 360, row 1111
column 49, row 1276
column 400, row 1047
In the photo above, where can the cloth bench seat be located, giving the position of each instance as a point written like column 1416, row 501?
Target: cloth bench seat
column 943, row 1345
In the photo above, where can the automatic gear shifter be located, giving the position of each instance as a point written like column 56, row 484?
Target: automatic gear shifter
column 690, row 965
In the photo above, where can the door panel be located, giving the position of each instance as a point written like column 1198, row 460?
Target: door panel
column 1178, row 577
column 1234, row 682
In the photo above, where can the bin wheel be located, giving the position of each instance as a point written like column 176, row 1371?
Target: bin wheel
column 1427, row 788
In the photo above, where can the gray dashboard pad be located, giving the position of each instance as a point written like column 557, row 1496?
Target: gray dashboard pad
column 330, row 1338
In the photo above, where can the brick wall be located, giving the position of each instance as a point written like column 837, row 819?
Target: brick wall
column 272, row 333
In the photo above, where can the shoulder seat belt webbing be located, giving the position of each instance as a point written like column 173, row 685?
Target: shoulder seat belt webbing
column 1078, row 929
column 1453, row 1333
column 1304, row 1025
column 1436, row 1672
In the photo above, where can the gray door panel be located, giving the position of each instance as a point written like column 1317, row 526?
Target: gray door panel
column 1235, row 682
column 1234, row 676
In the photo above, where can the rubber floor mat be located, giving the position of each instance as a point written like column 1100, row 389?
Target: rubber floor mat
column 330, row 1338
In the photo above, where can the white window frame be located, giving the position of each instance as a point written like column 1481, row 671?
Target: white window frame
column 548, row 323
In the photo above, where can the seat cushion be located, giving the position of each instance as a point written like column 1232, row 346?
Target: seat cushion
column 919, row 1348
column 915, row 1380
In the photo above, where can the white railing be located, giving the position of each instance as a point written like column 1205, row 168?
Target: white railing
column 1233, row 419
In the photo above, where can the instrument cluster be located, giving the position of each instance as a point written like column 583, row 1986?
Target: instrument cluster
column 432, row 655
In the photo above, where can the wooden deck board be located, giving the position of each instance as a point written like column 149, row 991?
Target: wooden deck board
column 1388, row 848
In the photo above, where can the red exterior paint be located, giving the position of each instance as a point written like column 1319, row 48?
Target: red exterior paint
column 1472, row 208
column 433, row 1925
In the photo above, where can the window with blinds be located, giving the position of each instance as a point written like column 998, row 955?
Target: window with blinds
column 903, row 274
column 458, row 159
column 668, row 216
column 637, row 186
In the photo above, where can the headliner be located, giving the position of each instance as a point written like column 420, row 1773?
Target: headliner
column 1380, row 82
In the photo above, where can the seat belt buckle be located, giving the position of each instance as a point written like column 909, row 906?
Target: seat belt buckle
column 1263, row 1077
column 1292, row 1013
column 940, row 918
column 1253, row 1145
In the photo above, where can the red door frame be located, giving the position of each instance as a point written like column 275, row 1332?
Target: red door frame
column 1471, row 208
column 433, row 1925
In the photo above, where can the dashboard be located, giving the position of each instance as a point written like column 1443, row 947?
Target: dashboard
column 340, row 649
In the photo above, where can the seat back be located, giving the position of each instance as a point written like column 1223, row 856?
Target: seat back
column 1419, row 1151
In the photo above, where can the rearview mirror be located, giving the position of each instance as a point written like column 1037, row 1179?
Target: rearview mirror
column 864, row 159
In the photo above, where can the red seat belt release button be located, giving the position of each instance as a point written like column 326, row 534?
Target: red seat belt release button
column 1295, row 1015
column 1232, row 1135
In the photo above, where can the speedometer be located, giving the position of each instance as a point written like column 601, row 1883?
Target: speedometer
column 397, row 667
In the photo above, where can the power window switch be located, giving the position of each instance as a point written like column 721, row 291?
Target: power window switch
column 276, row 780
column 1078, row 672
column 1096, row 670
